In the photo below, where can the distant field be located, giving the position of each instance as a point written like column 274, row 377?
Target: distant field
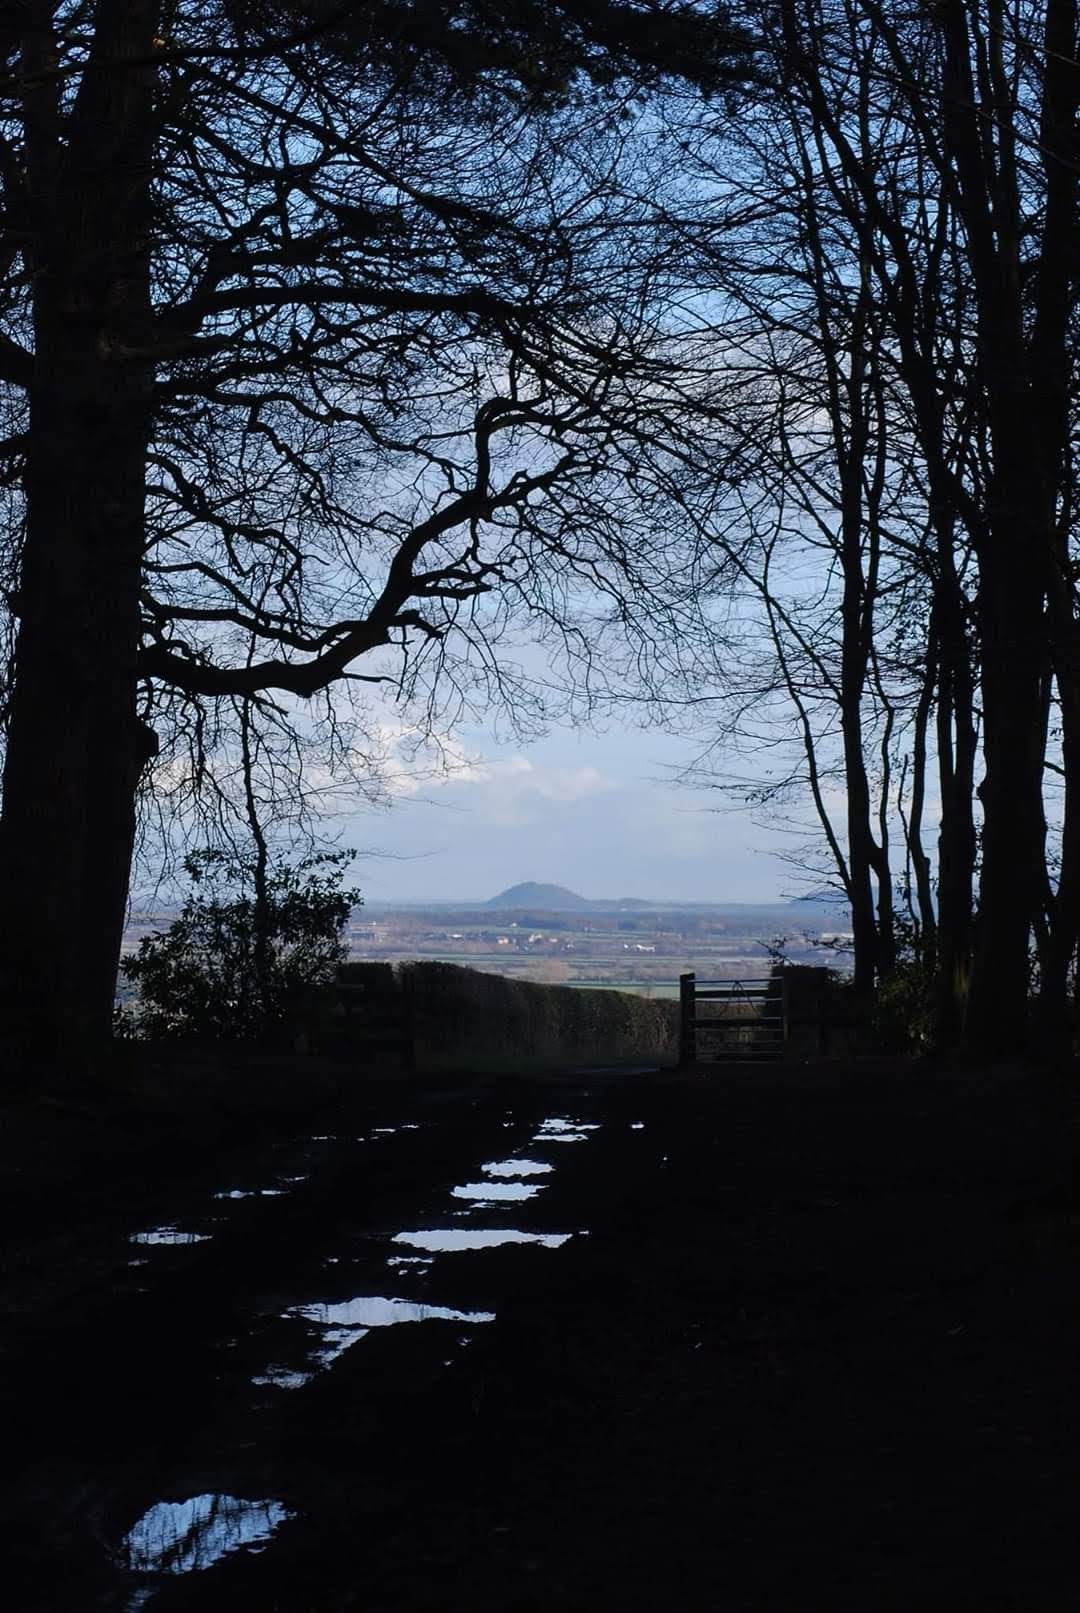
column 637, row 988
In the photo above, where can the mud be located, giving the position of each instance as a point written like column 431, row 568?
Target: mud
column 786, row 1338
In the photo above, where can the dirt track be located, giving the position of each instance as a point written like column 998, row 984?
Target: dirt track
column 818, row 1349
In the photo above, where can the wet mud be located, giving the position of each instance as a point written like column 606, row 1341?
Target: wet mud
column 783, row 1338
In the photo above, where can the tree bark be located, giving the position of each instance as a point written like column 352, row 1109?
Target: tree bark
column 75, row 744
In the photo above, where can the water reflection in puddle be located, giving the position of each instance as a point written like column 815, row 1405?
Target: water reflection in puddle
column 559, row 1129
column 517, row 1167
column 345, row 1324
column 637, row 1125
column 418, row 1262
column 375, row 1311
column 169, row 1235
column 489, row 1192
column 447, row 1239
column 282, row 1378
column 178, row 1537
column 252, row 1193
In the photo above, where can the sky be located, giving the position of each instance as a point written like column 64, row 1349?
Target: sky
column 598, row 813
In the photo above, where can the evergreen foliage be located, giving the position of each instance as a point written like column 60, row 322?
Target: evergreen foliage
column 235, row 962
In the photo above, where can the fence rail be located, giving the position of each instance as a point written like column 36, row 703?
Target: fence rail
column 743, row 1019
column 791, row 1011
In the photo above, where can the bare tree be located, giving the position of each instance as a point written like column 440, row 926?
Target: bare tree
column 321, row 328
column 905, row 207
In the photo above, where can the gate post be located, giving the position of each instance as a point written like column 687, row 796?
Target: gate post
column 687, row 1027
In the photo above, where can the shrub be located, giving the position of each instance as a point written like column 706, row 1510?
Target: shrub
column 463, row 1014
column 244, row 950
column 904, row 1012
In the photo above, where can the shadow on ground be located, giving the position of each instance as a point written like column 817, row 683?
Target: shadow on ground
column 775, row 1338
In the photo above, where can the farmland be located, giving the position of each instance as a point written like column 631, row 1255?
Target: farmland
column 643, row 948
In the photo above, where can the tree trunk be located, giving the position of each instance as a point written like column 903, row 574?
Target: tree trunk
column 957, row 746
column 75, row 744
column 1013, row 865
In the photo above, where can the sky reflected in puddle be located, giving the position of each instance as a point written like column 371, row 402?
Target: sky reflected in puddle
column 169, row 1235
column 282, row 1378
column 517, row 1167
column 446, row 1239
column 251, row 1193
column 376, row 1311
column 490, row 1192
column 179, row 1537
column 345, row 1324
column 560, row 1129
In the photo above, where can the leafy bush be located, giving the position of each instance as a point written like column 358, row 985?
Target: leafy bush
column 244, row 949
column 905, row 1010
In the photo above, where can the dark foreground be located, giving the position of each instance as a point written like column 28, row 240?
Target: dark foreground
column 814, row 1343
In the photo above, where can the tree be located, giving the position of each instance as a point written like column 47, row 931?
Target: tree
column 247, row 944
column 321, row 323
column 991, row 94
column 942, row 174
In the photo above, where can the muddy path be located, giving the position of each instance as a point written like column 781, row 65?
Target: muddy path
column 778, row 1339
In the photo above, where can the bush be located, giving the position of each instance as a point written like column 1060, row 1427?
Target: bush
column 235, row 963
column 904, row 1012
column 462, row 1014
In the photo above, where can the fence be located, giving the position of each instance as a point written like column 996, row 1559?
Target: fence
column 795, row 1011
column 742, row 1019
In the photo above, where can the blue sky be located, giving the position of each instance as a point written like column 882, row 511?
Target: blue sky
column 596, row 812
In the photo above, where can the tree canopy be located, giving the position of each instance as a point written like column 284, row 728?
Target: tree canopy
column 325, row 329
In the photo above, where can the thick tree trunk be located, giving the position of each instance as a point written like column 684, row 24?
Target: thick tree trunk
column 75, row 745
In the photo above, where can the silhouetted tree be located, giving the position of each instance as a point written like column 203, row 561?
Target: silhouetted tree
column 320, row 325
column 937, row 202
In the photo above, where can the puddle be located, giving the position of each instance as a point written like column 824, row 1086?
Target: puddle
column 490, row 1192
column 375, row 1311
column 252, row 1193
column 169, row 1235
column 447, row 1239
column 419, row 1262
column 178, row 1537
column 517, row 1167
column 392, row 1131
column 343, row 1325
column 282, row 1378
column 561, row 1130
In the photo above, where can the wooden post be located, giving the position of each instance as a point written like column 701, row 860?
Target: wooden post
column 687, row 1028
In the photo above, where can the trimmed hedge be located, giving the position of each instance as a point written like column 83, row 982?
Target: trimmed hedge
column 460, row 1014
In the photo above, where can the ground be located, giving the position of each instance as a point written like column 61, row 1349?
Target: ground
column 812, row 1344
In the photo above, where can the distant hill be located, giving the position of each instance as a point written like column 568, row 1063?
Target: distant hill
column 533, row 896
column 547, row 898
